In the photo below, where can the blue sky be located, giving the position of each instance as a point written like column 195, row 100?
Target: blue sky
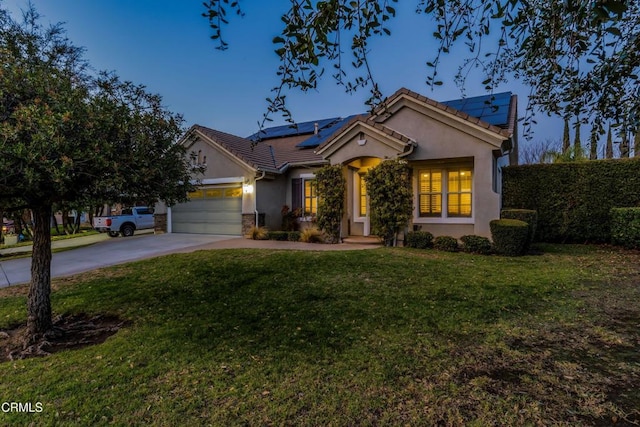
column 166, row 45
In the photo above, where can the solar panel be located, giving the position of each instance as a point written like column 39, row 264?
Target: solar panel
column 493, row 109
column 319, row 138
column 291, row 130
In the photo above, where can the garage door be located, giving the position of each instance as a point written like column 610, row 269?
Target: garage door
column 211, row 210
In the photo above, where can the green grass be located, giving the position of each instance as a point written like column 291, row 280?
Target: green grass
column 377, row 337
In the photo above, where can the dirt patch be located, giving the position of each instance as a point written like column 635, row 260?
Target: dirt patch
column 70, row 332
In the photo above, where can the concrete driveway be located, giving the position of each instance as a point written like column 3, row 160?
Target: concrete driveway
column 106, row 252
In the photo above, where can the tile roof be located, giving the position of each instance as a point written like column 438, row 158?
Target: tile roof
column 270, row 156
column 257, row 155
column 273, row 149
column 501, row 130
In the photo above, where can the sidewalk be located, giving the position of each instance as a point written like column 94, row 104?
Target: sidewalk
column 64, row 243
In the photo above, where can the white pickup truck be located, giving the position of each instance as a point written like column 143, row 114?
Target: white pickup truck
column 131, row 219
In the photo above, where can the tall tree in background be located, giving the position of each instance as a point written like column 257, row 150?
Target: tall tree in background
column 624, row 144
column 67, row 137
column 636, row 144
column 593, row 146
column 609, row 148
column 566, row 142
column 576, row 55
column 577, row 143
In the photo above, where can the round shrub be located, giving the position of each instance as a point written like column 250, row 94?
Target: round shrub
column 509, row 236
column 526, row 215
column 294, row 236
column 419, row 240
column 476, row 244
column 446, row 243
column 278, row 235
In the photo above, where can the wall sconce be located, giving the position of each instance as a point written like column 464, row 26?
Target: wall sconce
column 247, row 189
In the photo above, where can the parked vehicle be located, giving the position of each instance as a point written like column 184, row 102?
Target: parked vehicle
column 131, row 219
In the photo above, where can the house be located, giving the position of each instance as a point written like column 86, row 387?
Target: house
column 455, row 149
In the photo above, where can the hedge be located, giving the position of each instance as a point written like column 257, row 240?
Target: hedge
column 509, row 236
column 573, row 200
column 525, row 215
column 419, row 240
column 625, row 227
column 476, row 244
column 446, row 243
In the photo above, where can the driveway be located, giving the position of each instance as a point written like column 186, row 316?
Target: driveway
column 108, row 252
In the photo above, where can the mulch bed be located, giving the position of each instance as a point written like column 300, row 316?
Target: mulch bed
column 70, row 331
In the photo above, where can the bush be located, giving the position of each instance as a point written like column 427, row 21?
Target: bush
column 446, row 243
column 419, row 240
column 294, row 236
column 509, row 236
column 278, row 235
column 258, row 233
column 331, row 189
column 573, row 200
column 625, row 227
column 525, row 215
column 311, row 235
column 476, row 244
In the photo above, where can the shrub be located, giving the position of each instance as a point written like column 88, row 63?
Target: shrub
column 258, row 233
column 419, row 240
column 278, row 235
column 446, row 243
column 525, row 215
column 331, row 188
column 573, row 200
column 509, row 236
column 294, row 236
column 290, row 218
column 311, row 235
column 476, row 244
column 390, row 199
column 625, row 227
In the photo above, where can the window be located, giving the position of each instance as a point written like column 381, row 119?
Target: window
column 310, row 197
column 430, row 192
column 363, row 195
column 459, row 193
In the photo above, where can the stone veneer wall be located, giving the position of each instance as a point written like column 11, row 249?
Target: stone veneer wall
column 160, row 223
column 248, row 221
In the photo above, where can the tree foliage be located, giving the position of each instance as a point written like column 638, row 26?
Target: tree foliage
column 390, row 198
column 331, row 191
column 577, row 56
column 69, row 138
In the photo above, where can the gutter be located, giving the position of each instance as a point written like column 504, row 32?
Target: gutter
column 412, row 146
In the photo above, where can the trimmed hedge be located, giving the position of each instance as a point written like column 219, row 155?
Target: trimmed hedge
column 573, row 200
column 419, row 240
column 525, row 215
column 509, row 236
column 625, row 227
column 278, row 235
column 446, row 243
column 476, row 244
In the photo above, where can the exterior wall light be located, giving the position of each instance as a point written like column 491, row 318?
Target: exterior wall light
column 247, row 189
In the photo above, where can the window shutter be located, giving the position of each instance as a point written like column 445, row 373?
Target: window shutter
column 296, row 193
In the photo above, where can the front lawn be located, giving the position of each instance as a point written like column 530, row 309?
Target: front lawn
column 376, row 337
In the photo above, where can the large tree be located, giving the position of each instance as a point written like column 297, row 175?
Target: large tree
column 70, row 137
column 580, row 57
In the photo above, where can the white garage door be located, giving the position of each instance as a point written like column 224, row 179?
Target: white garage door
column 211, row 210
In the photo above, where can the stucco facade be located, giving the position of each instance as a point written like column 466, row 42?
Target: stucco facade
column 455, row 160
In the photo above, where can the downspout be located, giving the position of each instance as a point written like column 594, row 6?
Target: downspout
column 255, row 195
column 412, row 146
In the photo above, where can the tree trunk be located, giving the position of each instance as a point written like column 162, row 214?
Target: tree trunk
column 39, row 301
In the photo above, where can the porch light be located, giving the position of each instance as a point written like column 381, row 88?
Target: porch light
column 247, row 189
